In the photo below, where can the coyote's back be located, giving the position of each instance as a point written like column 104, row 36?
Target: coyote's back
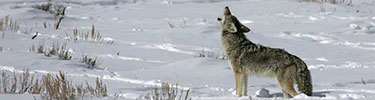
column 247, row 58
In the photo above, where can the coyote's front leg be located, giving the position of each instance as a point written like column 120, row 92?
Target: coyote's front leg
column 241, row 84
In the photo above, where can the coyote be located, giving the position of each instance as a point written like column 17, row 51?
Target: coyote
column 247, row 58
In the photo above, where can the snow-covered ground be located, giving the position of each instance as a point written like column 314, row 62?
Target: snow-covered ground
column 337, row 41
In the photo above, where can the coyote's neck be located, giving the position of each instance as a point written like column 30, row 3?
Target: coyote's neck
column 235, row 43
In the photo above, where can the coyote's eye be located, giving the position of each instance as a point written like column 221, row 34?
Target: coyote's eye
column 219, row 19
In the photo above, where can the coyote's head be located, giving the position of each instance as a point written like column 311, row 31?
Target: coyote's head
column 230, row 24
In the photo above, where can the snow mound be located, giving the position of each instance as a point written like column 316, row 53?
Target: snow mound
column 370, row 29
column 301, row 96
column 352, row 96
column 355, row 26
column 263, row 92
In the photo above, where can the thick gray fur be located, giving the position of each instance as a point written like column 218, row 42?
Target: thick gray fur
column 247, row 58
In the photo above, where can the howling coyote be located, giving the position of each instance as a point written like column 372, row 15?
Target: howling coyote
column 247, row 58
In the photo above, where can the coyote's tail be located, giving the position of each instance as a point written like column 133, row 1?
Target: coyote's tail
column 303, row 78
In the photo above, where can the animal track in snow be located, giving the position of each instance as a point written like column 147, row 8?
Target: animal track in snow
column 347, row 64
column 323, row 38
column 131, row 58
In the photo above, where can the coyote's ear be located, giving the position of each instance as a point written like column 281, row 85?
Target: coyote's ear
column 232, row 28
column 220, row 21
column 244, row 28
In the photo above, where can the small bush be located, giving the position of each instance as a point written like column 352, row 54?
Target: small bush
column 58, row 12
column 53, row 9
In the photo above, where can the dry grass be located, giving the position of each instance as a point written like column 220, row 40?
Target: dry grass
column 210, row 54
column 168, row 92
column 171, row 25
column 175, row 24
column 346, row 2
column 45, row 24
column 363, row 81
column 2, row 25
column 59, row 88
column 19, row 83
column 89, row 36
column 40, row 48
column 91, row 62
column 50, row 87
column 55, row 50
column 8, row 23
column 100, row 90
column 63, row 53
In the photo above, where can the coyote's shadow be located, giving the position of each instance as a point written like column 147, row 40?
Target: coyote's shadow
column 314, row 94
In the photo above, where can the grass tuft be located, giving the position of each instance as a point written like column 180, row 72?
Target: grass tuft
column 63, row 53
column 9, row 24
column 363, row 81
column 55, row 50
column 91, row 62
column 90, row 36
column 346, row 2
column 49, row 87
column 167, row 92
column 210, row 54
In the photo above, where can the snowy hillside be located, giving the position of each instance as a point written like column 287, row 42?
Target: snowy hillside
column 139, row 44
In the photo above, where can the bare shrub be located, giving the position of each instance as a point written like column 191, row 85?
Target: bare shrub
column 57, row 10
